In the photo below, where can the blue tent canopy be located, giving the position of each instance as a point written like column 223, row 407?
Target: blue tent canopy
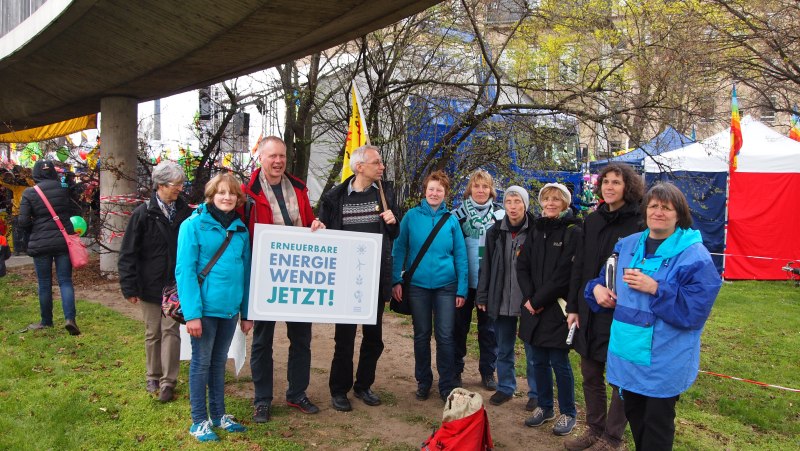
column 669, row 139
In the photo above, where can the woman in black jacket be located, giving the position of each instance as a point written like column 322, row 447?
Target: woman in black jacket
column 544, row 268
column 621, row 190
column 46, row 243
column 147, row 264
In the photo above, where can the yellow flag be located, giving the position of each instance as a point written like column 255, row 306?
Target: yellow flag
column 356, row 132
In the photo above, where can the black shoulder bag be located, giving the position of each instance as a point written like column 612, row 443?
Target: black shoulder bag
column 404, row 308
column 170, row 304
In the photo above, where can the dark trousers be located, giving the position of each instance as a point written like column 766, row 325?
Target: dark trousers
column 487, row 343
column 341, row 379
column 652, row 420
column 609, row 423
column 298, row 370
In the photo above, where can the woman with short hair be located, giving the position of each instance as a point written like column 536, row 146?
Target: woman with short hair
column 438, row 285
column 666, row 284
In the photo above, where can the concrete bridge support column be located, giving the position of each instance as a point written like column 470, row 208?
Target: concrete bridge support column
column 119, row 132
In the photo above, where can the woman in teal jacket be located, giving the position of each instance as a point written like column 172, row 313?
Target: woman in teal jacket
column 212, row 308
column 666, row 285
column 439, row 284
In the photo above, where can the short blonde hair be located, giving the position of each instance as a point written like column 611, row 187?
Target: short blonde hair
column 234, row 185
column 480, row 175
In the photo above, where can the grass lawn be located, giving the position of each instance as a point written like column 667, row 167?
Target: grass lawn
column 87, row 392
column 753, row 333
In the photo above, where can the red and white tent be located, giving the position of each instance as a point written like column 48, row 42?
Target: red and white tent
column 763, row 230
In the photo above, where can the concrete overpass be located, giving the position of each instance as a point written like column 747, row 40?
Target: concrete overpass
column 69, row 58
column 68, row 55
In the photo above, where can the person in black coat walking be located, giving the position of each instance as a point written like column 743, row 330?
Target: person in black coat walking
column 544, row 270
column 147, row 264
column 621, row 190
column 46, row 243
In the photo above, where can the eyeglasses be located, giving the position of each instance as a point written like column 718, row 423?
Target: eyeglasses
column 664, row 208
column 376, row 163
column 173, row 185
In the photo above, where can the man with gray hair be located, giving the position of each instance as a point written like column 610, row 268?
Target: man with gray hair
column 361, row 204
column 147, row 264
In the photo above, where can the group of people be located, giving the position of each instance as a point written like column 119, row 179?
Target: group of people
column 529, row 277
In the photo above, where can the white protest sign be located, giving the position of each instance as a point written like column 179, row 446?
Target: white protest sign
column 327, row 276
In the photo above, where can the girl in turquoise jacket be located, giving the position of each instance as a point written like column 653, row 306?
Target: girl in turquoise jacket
column 212, row 306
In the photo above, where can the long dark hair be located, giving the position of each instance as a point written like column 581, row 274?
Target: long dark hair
column 634, row 186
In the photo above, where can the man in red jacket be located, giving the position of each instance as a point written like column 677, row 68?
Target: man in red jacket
column 275, row 197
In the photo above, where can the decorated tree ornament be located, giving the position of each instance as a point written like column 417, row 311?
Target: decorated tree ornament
column 78, row 224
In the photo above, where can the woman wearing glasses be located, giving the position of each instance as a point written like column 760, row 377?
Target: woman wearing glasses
column 666, row 285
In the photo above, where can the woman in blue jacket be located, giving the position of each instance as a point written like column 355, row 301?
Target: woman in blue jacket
column 438, row 285
column 666, row 285
column 212, row 308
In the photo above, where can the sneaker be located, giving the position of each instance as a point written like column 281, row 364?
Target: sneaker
column 540, row 417
column 38, row 326
column 499, row 398
column 304, row 405
column 261, row 413
column 422, row 393
column 202, row 432
column 228, row 423
column 603, row 444
column 532, row 404
column 564, row 425
column 488, row 382
column 583, row 441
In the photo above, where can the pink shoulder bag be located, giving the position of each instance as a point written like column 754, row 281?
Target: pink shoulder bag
column 78, row 254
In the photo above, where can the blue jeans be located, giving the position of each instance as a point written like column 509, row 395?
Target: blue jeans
column 44, row 273
column 505, row 329
column 207, row 368
column 437, row 306
column 546, row 361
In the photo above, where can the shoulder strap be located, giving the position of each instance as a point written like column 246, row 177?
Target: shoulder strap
column 248, row 208
column 207, row 269
column 410, row 272
column 52, row 212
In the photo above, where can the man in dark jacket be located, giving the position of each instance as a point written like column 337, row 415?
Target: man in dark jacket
column 617, row 217
column 147, row 264
column 46, row 243
column 275, row 197
column 361, row 204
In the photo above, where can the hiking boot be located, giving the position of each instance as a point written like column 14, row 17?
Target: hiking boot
column 489, row 382
column 532, row 404
column 368, row 396
column 499, row 398
column 422, row 393
column 167, row 394
column 228, row 423
column 304, row 405
column 540, row 417
column 202, row 431
column 604, row 444
column 152, row 386
column 583, row 441
column 564, row 425
column 261, row 413
column 341, row 403
column 71, row 327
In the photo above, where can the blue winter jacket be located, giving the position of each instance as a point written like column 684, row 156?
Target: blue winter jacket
column 225, row 291
column 446, row 260
column 654, row 348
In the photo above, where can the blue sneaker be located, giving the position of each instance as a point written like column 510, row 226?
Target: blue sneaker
column 202, row 432
column 228, row 423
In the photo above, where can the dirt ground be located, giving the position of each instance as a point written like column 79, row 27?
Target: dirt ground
column 401, row 422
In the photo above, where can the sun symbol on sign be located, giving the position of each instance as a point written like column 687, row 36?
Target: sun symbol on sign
column 361, row 249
